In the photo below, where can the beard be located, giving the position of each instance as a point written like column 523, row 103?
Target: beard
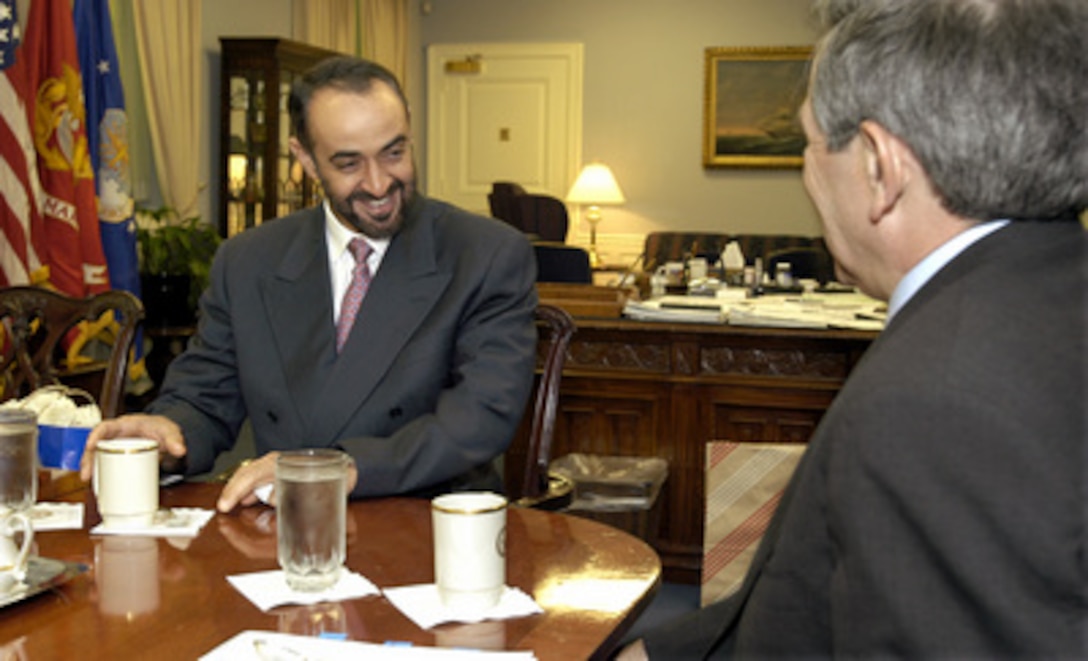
column 381, row 224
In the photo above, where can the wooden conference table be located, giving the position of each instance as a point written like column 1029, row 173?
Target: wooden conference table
column 157, row 598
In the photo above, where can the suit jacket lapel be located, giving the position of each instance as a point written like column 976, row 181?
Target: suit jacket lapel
column 402, row 293
column 298, row 301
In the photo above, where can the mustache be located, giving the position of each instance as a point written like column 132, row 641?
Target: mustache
column 363, row 196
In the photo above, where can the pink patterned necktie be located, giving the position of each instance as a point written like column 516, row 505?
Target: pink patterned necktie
column 353, row 297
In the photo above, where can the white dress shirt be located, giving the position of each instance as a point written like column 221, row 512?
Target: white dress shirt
column 341, row 261
column 935, row 261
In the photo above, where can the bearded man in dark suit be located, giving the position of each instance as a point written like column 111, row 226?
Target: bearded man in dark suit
column 431, row 380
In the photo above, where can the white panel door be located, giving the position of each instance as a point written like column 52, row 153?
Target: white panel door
column 502, row 112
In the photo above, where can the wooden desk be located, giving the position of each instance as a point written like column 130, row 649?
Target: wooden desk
column 636, row 388
column 168, row 599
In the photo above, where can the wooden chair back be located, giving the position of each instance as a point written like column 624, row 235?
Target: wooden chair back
column 37, row 325
column 539, row 488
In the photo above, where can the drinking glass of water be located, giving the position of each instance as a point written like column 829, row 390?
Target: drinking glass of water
column 311, row 516
column 18, row 492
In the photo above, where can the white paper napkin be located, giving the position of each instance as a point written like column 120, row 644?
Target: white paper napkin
column 56, row 516
column 268, row 589
column 423, row 606
column 176, row 522
column 263, row 645
column 264, row 493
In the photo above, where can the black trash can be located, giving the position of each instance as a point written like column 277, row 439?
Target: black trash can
column 619, row 491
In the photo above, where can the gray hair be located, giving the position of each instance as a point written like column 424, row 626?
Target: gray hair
column 830, row 12
column 991, row 96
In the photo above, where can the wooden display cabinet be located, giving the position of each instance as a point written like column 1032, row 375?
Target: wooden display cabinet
column 261, row 179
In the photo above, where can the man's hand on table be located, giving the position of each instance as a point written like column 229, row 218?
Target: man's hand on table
column 160, row 429
column 636, row 651
column 250, row 476
column 242, row 487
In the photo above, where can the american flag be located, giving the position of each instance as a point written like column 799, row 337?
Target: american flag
column 70, row 238
column 20, row 189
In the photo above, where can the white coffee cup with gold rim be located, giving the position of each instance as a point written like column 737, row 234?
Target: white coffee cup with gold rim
column 126, row 481
column 469, row 549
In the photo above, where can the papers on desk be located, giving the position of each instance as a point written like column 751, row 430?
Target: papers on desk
column 817, row 311
column 685, row 309
column 841, row 311
column 267, row 645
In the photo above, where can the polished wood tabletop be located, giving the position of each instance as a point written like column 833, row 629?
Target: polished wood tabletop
column 160, row 598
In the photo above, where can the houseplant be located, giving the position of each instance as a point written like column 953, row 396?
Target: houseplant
column 175, row 256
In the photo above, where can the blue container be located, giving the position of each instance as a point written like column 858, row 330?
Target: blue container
column 61, row 447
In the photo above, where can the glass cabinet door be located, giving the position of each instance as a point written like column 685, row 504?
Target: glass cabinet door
column 261, row 178
column 245, row 160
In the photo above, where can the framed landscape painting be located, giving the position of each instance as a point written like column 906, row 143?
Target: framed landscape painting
column 751, row 101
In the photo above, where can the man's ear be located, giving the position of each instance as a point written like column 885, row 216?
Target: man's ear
column 303, row 156
column 885, row 167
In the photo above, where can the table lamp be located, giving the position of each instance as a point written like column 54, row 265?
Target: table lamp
column 595, row 186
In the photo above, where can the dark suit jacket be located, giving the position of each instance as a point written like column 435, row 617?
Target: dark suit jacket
column 939, row 511
column 431, row 384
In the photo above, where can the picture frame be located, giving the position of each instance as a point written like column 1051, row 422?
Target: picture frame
column 751, row 100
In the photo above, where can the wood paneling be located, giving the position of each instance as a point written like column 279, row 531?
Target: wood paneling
column 653, row 389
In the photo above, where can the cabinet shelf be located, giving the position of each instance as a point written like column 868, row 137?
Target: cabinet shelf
column 261, row 179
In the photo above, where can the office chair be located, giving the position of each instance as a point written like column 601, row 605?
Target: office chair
column 560, row 262
column 543, row 217
column 540, row 488
column 805, row 262
column 661, row 247
column 36, row 323
column 504, row 203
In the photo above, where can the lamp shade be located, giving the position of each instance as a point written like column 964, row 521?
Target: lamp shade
column 595, row 185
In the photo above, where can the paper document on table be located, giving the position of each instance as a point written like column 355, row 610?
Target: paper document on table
column 423, row 605
column 268, row 589
column 56, row 516
column 265, row 645
column 171, row 522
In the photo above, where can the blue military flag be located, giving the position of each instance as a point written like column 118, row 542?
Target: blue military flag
column 107, row 137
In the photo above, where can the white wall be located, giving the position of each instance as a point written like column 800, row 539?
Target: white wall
column 644, row 95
